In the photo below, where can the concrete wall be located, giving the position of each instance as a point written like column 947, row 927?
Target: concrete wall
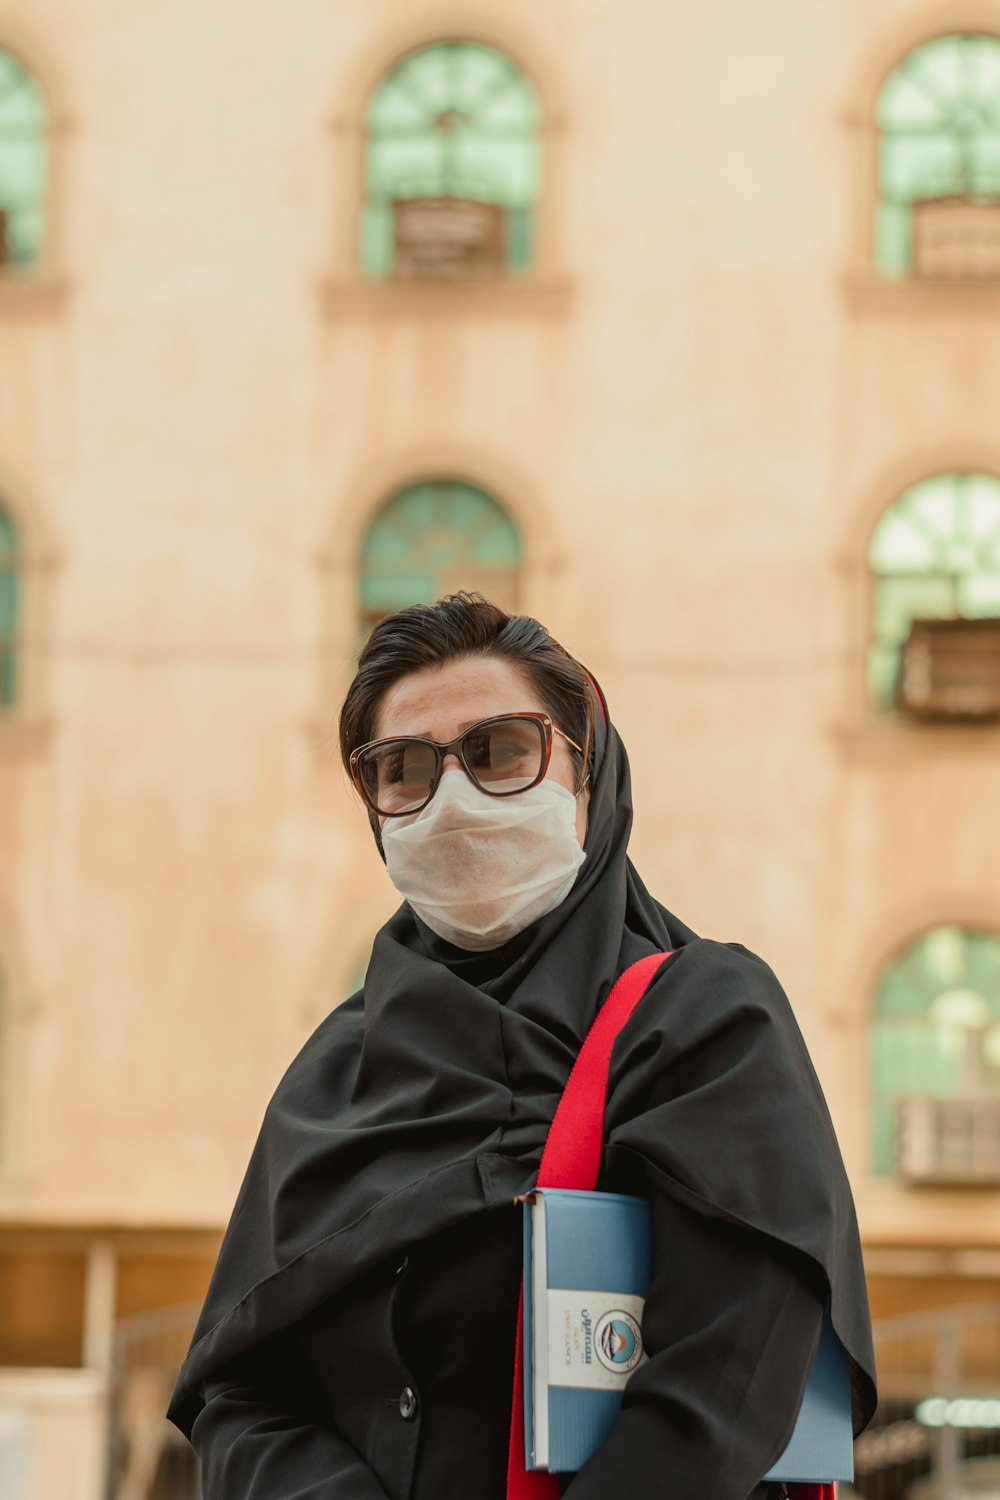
column 696, row 409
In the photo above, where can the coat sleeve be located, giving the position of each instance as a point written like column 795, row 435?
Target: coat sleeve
column 261, row 1435
column 731, row 1326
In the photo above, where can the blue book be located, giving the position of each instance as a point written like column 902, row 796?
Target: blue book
column 588, row 1263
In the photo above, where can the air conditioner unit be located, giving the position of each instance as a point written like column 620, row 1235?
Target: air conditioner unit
column 951, row 670
column 448, row 238
column 948, row 1141
column 956, row 237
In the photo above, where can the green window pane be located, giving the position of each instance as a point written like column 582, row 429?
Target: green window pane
column 896, row 545
column 935, row 554
column 920, row 168
column 979, row 596
column 893, row 228
column 982, row 507
column 943, row 957
column 901, row 600
column 432, row 539
column 938, row 115
column 883, row 673
column 935, row 507
column 23, row 163
column 903, row 104
column 9, row 603
column 984, row 153
column 376, row 239
column 453, row 120
column 936, row 1030
column 520, row 239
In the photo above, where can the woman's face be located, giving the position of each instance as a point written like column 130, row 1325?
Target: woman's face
column 438, row 702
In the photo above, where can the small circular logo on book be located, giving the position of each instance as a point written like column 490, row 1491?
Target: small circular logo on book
column 618, row 1341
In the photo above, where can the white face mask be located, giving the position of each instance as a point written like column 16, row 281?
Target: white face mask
column 478, row 869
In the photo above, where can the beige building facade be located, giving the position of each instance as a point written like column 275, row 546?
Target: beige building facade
column 691, row 388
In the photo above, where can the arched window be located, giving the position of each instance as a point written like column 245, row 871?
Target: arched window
column 935, row 555
column 936, row 1036
column 452, row 165
column 435, row 538
column 938, row 116
column 9, row 588
column 23, row 164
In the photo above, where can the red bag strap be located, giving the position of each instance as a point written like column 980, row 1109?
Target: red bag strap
column 572, row 1155
column 572, row 1159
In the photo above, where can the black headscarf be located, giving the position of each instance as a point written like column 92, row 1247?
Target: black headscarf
column 426, row 1098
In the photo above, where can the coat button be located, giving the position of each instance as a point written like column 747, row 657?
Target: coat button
column 408, row 1403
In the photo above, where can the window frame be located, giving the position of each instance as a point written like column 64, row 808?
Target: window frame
column 39, row 141
column 545, row 550
column 957, row 478
column 902, row 955
column 878, row 247
column 25, row 725
column 40, row 289
column 861, row 734
column 544, row 291
column 868, row 294
column 452, row 180
column 446, row 489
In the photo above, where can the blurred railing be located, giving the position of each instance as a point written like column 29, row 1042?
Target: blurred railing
column 936, row 1434
column 149, row 1458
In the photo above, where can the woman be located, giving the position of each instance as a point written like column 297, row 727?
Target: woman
column 358, row 1335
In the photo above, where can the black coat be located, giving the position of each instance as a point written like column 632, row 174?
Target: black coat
column 406, row 1127
column 399, row 1388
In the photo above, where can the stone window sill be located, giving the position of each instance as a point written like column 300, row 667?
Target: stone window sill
column 870, row 295
column 873, row 737
column 358, row 298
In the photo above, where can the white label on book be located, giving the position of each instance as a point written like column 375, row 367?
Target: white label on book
column 595, row 1339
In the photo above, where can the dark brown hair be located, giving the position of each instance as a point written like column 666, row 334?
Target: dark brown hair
column 426, row 635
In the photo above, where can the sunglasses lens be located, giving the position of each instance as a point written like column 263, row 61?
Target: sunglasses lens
column 502, row 755
column 398, row 775
column 505, row 755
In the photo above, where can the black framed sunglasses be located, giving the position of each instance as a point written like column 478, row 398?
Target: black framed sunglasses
column 501, row 756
